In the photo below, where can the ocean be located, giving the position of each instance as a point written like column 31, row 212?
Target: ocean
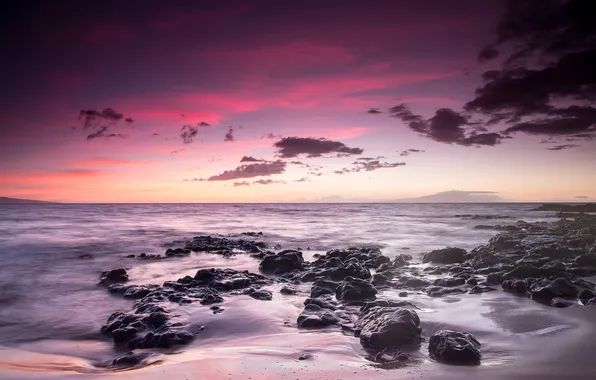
column 51, row 256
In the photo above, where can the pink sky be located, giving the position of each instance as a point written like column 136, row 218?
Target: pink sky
column 269, row 72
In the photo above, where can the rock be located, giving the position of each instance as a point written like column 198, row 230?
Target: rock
column 129, row 359
column 380, row 280
column 129, row 257
column 403, row 294
column 391, row 356
column 314, row 316
column 387, row 327
column 325, row 302
column 304, row 356
column 113, row 276
column 321, row 287
column 355, row 289
column 590, row 302
column 454, row 348
column 283, row 262
column 545, row 290
column 449, row 255
column 586, row 294
column 449, row 282
column 262, row 295
column 288, row 290
column 227, row 279
column 472, row 281
column 477, row 289
column 178, row 252
column 438, row 291
column 495, row 278
column 524, row 271
column 561, row 302
column 515, row 286
column 352, row 269
column 414, row 282
column 223, row 246
column 588, row 260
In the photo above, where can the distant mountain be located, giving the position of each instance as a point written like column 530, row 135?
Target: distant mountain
column 454, row 196
column 6, row 200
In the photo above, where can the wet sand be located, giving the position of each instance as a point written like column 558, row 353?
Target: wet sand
column 520, row 338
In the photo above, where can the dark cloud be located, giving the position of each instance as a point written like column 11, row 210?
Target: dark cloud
column 177, row 151
column 267, row 182
column 243, row 183
column 155, row 134
column 92, row 118
column 251, row 170
column 316, row 174
column 203, row 124
column 129, row 120
column 303, row 179
column 252, row 159
column 581, row 197
column 374, row 165
column 290, row 147
column 102, row 132
column 188, row 133
column 405, row 153
column 229, row 136
column 194, row 180
column 547, row 84
column 374, row 111
column 446, row 126
column 563, row 147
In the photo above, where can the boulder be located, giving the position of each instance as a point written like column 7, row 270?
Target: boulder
column 314, row 316
column 321, row 287
column 288, row 290
column 545, row 290
column 262, row 295
column 352, row 269
column 454, row 348
column 355, row 289
column 449, row 255
column 283, row 262
column 387, row 327
column 113, row 276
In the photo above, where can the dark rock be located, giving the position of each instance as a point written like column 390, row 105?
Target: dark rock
column 454, row 348
column 590, row 302
column 438, row 291
column 561, row 302
column 304, row 356
column 380, row 280
column 477, row 289
column 515, row 286
column 586, row 294
column 262, row 295
column 314, row 316
column 449, row 255
column 284, row 261
column 321, row 287
column 472, row 281
column 449, row 282
column 355, row 289
column 352, row 269
column 403, row 294
column 325, row 302
column 129, row 257
column 495, row 278
column 524, row 271
column 545, row 290
column 586, row 260
column 129, row 359
column 178, row 252
column 383, row 303
column 387, row 327
column 415, row 282
column 113, row 276
column 288, row 290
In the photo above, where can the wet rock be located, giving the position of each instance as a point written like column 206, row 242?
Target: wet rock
column 262, row 295
column 314, row 316
column 403, row 294
column 113, row 276
column 387, row 327
column 561, row 302
column 129, row 359
column 515, row 286
column 321, row 287
column 545, row 290
column 325, row 302
column 228, row 279
column 384, row 303
column 391, row 356
column 352, row 269
column 132, row 291
column 288, row 290
column 380, row 280
column 163, row 339
column 472, row 281
column 454, row 348
column 252, row 234
column 304, row 356
column 355, row 289
column 284, row 261
column 477, row 289
column 223, row 246
column 586, row 294
column 590, row 302
column 495, row 278
column 178, row 252
column 524, row 271
column 449, row 282
column 449, row 255
column 87, row 256
column 586, row 260
column 439, row 291
column 130, row 257
column 216, row 309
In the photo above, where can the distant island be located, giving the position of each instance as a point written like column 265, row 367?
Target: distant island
column 454, row 196
column 6, row 200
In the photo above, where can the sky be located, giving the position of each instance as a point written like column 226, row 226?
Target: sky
column 268, row 101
